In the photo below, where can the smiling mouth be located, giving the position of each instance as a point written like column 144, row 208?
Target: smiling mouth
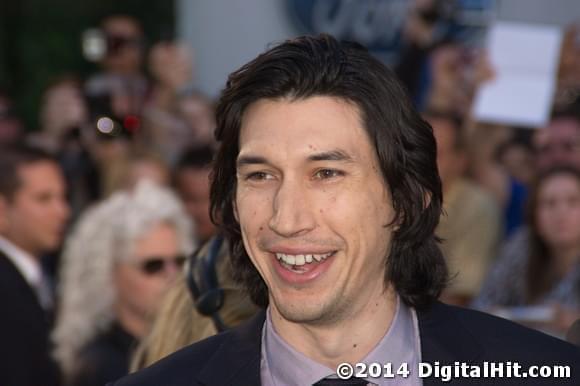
column 302, row 263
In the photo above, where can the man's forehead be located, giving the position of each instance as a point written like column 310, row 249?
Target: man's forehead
column 39, row 173
column 319, row 124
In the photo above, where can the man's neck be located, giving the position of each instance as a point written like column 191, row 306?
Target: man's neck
column 347, row 340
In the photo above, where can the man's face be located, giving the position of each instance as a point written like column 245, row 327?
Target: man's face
column 558, row 144
column 193, row 186
column 35, row 217
column 313, row 207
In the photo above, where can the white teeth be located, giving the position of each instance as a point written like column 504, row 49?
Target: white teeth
column 301, row 259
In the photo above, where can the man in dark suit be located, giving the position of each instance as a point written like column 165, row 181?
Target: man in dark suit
column 327, row 190
column 33, row 212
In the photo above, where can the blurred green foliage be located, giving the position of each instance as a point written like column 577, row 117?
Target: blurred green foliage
column 41, row 40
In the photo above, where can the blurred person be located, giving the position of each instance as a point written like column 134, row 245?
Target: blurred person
column 450, row 87
column 62, row 109
column 120, row 90
column 470, row 226
column 125, row 45
column 66, row 132
column 119, row 260
column 198, row 112
column 559, row 142
column 177, row 117
column 547, row 271
column 33, row 215
column 116, row 96
column 487, row 145
column 517, row 158
column 327, row 191
column 555, row 145
column 180, row 323
column 11, row 130
column 191, row 180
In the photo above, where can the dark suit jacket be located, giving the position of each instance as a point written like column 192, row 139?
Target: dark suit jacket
column 447, row 334
column 24, row 328
column 104, row 359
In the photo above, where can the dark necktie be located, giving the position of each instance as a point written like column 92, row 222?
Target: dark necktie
column 341, row 382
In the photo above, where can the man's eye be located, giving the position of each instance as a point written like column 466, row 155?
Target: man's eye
column 258, row 176
column 324, row 174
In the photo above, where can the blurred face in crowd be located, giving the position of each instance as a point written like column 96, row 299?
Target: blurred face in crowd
column 193, row 186
column 200, row 117
column 124, row 51
column 558, row 144
column 142, row 279
column 35, row 216
column 518, row 160
column 313, row 208
column 558, row 211
column 450, row 159
column 63, row 107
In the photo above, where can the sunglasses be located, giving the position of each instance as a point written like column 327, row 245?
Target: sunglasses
column 156, row 265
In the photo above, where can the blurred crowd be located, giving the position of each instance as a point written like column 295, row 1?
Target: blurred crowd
column 101, row 206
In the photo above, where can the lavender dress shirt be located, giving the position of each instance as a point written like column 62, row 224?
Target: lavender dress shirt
column 282, row 365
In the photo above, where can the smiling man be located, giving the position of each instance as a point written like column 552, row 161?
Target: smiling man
column 327, row 190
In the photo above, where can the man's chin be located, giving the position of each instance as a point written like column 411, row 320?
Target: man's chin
column 301, row 313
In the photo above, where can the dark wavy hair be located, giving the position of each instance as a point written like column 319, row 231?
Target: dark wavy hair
column 405, row 147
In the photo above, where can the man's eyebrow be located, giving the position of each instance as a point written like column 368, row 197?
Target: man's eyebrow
column 332, row 155
column 250, row 160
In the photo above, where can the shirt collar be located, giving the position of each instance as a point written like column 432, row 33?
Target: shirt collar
column 283, row 365
column 27, row 265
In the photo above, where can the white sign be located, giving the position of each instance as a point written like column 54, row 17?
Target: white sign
column 525, row 60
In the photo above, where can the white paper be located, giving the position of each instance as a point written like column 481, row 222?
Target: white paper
column 525, row 59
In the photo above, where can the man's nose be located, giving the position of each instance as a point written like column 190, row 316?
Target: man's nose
column 292, row 210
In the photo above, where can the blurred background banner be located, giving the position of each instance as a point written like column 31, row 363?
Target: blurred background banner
column 214, row 27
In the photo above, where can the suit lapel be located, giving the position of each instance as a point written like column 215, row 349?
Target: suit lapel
column 242, row 354
column 444, row 338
